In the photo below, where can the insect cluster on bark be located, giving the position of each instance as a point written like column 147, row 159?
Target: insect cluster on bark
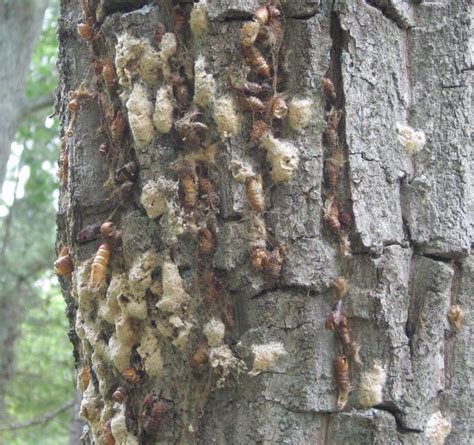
column 135, row 308
column 348, row 354
column 261, row 40
column 337, row 218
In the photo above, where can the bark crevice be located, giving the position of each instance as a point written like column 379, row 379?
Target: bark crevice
column 391, row 10
column 397, row 414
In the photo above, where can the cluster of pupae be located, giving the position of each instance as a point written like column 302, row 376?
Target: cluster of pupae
column 337, row 220
column 145, row 92
column 261, row 40
column 338, row 322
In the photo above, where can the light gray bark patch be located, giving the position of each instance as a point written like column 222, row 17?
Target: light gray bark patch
column 437, row 200
column 369, row 427
column 400, row 11
column 457, row 397
column 310, row 263
column 294, row 207
column 134, row 241
column 232, row 248
column 292, row 318
column 427, row 322
column 242, row 423
column 375, row 93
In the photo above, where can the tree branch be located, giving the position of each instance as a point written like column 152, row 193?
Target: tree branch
column 40, row 420
column 32, row 106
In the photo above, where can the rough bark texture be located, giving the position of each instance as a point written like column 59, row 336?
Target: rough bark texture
column 392, row 62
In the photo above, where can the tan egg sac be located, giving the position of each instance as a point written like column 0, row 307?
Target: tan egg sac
column 91, row 332
column 340, row 287
column 283, row 157
column 119, row 353
column 411, row 140
column 184, row 331
column 371, row 386
column 127, row 52
column 331, row 214
column 168, row 45
column 345, row 245
column 222, row 360
column 140, row 274
column 174, row 295
column 101, row 369
column 226, row 117
column 109, row 310
column 163, row 115
column 150, row 353
column 136, row 56
column 80, row 284
column 300, row 113
column 90, row 405
column 266, row 356
column 204, row 84
column 120, row 432
column 127, row 331
column 198, row 20
column 133, row 308
column 106, row 437
column 150, row 67
column 214, row 331
column 437, row 428
column 140, row 111
column 241, row 172
column 456, row 315
column 156, row 194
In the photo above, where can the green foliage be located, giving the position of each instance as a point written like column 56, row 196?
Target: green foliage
column 44, row 378
column 27, row 231
column 43, row 373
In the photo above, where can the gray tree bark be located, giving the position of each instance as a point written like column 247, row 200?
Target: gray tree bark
column 395, row 65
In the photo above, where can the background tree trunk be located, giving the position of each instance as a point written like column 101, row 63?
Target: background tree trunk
column 20, row 27
column 392, row 62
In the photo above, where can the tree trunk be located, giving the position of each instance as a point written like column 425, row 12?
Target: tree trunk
column 20, row 27
column 379, row 198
